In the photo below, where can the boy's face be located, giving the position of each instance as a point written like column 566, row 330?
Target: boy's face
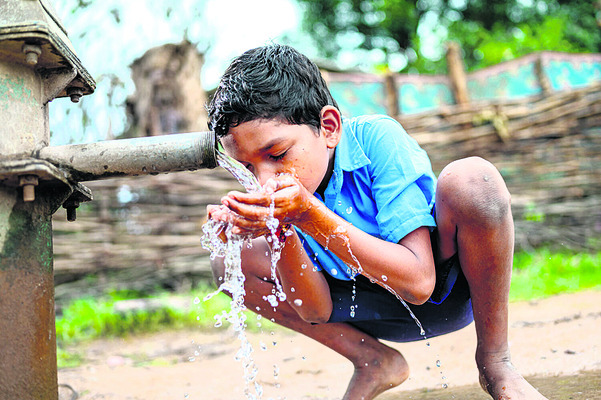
column 271, row 147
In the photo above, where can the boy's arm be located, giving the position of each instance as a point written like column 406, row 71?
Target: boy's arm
column 406, row 267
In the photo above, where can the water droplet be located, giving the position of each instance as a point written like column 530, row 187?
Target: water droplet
column 263, row 346
column 271, row 299
column 292, row 289
column 334, row 271
column 298, row 302
column 191, row 359
column 438, row 363
column 444, row 386
column 349, row 210
column 384, row 278
column 196, row 300
column 304, row 266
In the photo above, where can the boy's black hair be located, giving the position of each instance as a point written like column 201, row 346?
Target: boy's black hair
column 270, row 82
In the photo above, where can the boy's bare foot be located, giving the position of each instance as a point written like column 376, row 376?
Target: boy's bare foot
column 502, row 381
column 377, row 372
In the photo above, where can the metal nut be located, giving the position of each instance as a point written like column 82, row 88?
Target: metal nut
column 28, row 183
column 32, row 53
column 71, row 207
column 75, row 93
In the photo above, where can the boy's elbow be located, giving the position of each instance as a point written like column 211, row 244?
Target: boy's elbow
column 422, row 291
column 314, row 315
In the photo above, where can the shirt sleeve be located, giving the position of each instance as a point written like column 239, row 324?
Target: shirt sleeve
column 403, row 184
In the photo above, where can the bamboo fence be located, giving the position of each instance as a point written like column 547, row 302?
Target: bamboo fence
column 144, row 232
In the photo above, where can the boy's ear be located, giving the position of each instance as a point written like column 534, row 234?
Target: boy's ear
column 331, row 125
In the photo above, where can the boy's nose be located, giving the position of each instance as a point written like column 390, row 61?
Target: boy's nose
column 264, row 173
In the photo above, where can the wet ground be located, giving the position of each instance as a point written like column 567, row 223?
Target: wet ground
column 586, row 385
column 555, row 342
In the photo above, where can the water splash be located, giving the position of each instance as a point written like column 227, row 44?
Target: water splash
column 239, row 171
column 276, row 252
column 233, row 281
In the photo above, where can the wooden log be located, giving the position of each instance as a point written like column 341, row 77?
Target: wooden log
column 457, row 73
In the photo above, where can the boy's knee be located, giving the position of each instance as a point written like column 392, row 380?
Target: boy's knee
column 474, row 190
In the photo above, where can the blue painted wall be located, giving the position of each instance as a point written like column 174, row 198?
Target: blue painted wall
column 507, row 81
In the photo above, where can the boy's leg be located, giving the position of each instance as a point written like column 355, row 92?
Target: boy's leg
column 473, row 215
column 377, row 366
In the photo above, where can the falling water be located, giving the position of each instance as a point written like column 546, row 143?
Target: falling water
column 233, row 281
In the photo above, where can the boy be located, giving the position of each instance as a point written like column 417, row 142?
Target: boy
column 360, row 194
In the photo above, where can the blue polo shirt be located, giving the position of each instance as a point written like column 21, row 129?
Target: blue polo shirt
column 382, row 183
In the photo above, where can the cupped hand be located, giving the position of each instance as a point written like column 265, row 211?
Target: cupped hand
column 251, row 211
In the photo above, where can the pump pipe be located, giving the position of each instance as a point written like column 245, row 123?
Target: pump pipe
column 132, row 157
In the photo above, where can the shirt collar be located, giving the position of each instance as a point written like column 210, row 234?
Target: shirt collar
column 349, row 154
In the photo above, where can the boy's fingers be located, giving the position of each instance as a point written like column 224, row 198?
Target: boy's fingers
column 257, row 199
column 277, row 183
column 247, row 211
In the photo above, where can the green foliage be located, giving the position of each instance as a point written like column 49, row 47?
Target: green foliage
column 489, row 31
column 544, row 273
column 388, row 25
column 89, row 318
column 484, row 47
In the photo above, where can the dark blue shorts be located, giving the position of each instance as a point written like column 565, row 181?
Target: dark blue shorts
column 380, row 314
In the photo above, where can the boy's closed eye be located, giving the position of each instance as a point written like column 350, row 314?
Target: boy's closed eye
column 278, row 157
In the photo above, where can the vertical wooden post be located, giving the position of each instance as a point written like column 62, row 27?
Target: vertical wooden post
column 542, row 78
column 457, row 73
column 392, row 95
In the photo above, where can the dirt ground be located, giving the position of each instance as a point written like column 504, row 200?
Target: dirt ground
column 556, row 342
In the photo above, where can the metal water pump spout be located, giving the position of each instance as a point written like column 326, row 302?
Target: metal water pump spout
column 128, row 157
column 133, row 157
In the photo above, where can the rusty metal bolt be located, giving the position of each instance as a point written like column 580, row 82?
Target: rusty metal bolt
column 71, row 207
column 75, row 93
column 32, row 53
column 28, row 183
